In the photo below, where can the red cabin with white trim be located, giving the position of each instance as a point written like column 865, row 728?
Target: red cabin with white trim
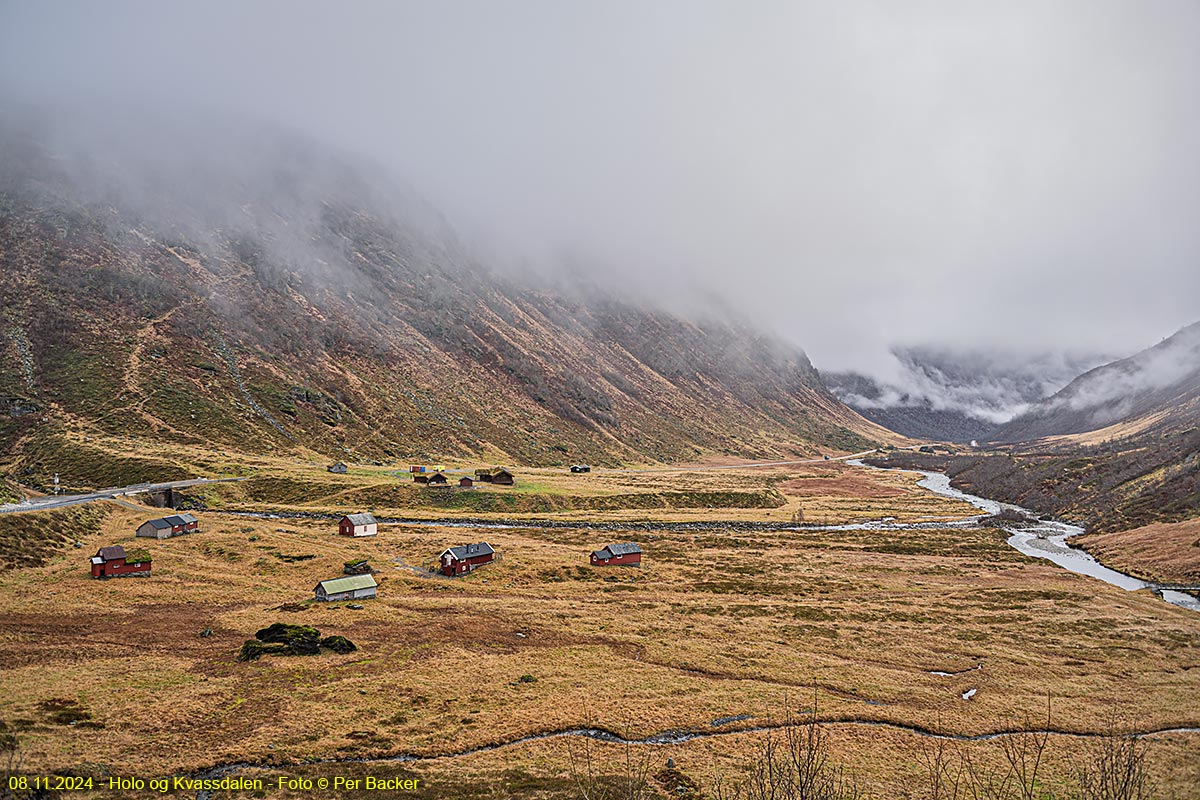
column 112, row 562
column 358, row 525
column 465, row 558
column 614, row 555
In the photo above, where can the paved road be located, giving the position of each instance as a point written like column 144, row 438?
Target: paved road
column 63, row 500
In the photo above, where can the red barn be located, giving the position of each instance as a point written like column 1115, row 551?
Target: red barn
column 617, row 554
column 358, row 525
column 465, row 483
column 464, row 559
column 114, row 562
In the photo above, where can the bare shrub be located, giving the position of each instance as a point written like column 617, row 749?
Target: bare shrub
column 946, row 769
column 793, row 765
column 1023, row 752
column 1115, row 768
column 12, row 758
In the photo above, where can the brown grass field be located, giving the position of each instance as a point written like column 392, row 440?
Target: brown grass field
column 1161, row 553
column 718, row 623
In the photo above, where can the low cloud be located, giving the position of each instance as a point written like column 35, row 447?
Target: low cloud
column 1115, row 392
column 988, row 177
column 993, row 386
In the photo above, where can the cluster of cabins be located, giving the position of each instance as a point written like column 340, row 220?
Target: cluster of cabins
column 466, row 558
column 358, row 583
column 436, row 476
column 454, row 560
column 115, row 562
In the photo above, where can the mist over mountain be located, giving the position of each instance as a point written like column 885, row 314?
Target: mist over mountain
column 1159, row 386
column 985, row 185
column 957, row 396
column 849, row 175
column 189, row 286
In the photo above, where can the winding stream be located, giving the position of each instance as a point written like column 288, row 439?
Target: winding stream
column 660, row 739
column 1047, row 539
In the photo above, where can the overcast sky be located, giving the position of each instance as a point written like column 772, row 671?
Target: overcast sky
column 1014, row 174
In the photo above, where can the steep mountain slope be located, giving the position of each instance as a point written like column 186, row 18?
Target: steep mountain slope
column 287, row 301
column 955, row 396
column 1160, row 387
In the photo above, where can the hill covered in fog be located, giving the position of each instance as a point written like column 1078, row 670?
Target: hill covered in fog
column 956, row 396
column 253, row 292
column 1158, row 387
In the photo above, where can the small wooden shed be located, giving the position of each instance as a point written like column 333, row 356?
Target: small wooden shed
column 613, row 555
column 465, row 558
column 339, row 468
column 359, row 567
column 358, row 525
column 352, row 587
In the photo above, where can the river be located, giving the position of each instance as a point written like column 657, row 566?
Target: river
column 1047, row 539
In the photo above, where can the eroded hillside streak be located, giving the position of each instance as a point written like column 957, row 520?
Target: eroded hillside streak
column 221, row 347
column 133, row 382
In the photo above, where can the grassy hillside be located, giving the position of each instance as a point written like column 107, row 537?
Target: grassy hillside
column 33, row 540
column 1151, row 476
column 323, row 323
column 1162, row 552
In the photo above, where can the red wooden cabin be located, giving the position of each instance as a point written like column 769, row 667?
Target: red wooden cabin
column 112, row 562
column 358, row 525
column 618, row 554
column 463, row 559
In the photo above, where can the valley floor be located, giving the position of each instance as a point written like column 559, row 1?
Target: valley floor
column 722, row 630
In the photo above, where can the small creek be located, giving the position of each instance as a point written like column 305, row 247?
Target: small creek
column 672, row 737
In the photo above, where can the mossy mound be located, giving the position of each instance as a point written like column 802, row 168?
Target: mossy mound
column 301, row 640
column 292, row 640
column 339, row 644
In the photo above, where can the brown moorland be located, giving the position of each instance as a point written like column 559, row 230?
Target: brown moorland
column 1161, row 553
column 719, row 623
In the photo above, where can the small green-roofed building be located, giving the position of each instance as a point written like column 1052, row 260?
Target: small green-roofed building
column 352, row 587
